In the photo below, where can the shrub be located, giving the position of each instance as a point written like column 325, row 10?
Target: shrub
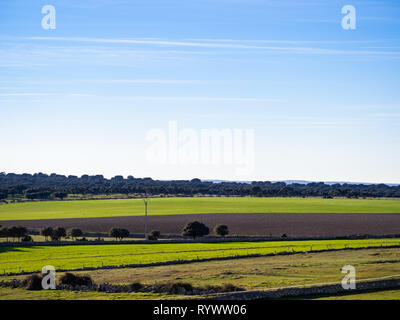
column 33, row 282
column 60, row 195
column 195, row 229
column 118, row 233
column 228, row 287
column 176, row 288
column 284, row 235
column 58, row 233
column 4, row 233
column 26, row 238
column 173, row 287
column 136, row 286
column 74, row 280
column 75, row 233
column 221, row 230
column 124, row 233
column 153, row 235
column 17, row 232
column 37, row 194
column 46, row 232
column 114, row 233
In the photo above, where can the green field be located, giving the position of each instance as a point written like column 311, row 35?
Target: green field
column 161, row 206
column 263, row 272
column 377, row 295
column 16, row 259
column 250, row 273
column 22, row 294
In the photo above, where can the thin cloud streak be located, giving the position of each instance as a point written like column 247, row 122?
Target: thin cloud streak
column 216, row 45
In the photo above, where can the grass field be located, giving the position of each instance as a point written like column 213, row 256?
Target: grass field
column 21, row 294
column 16, row 259
column 161, row 206
column 263, row 272
column 251, row 273
column 377, row 295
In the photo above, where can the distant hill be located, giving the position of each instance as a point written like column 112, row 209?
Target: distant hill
column 307, row 182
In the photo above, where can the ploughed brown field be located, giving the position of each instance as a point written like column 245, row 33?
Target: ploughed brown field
column 262, row 224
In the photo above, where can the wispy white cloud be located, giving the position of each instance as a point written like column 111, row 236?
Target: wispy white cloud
column 237, row 44
column 157, row 42
column 293, row 42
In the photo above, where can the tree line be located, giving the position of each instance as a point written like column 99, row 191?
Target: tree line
column 55, row 186
column 21, row 233
column 192, row 229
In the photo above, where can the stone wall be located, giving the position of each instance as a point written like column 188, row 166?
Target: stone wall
column 329, row 289
column 289, row 292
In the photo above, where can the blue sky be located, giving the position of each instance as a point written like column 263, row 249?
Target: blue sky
column 324, row 102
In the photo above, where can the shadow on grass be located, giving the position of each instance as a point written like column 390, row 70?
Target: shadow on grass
column 16, row 248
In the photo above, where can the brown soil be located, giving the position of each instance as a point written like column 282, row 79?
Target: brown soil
column 263, row 224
